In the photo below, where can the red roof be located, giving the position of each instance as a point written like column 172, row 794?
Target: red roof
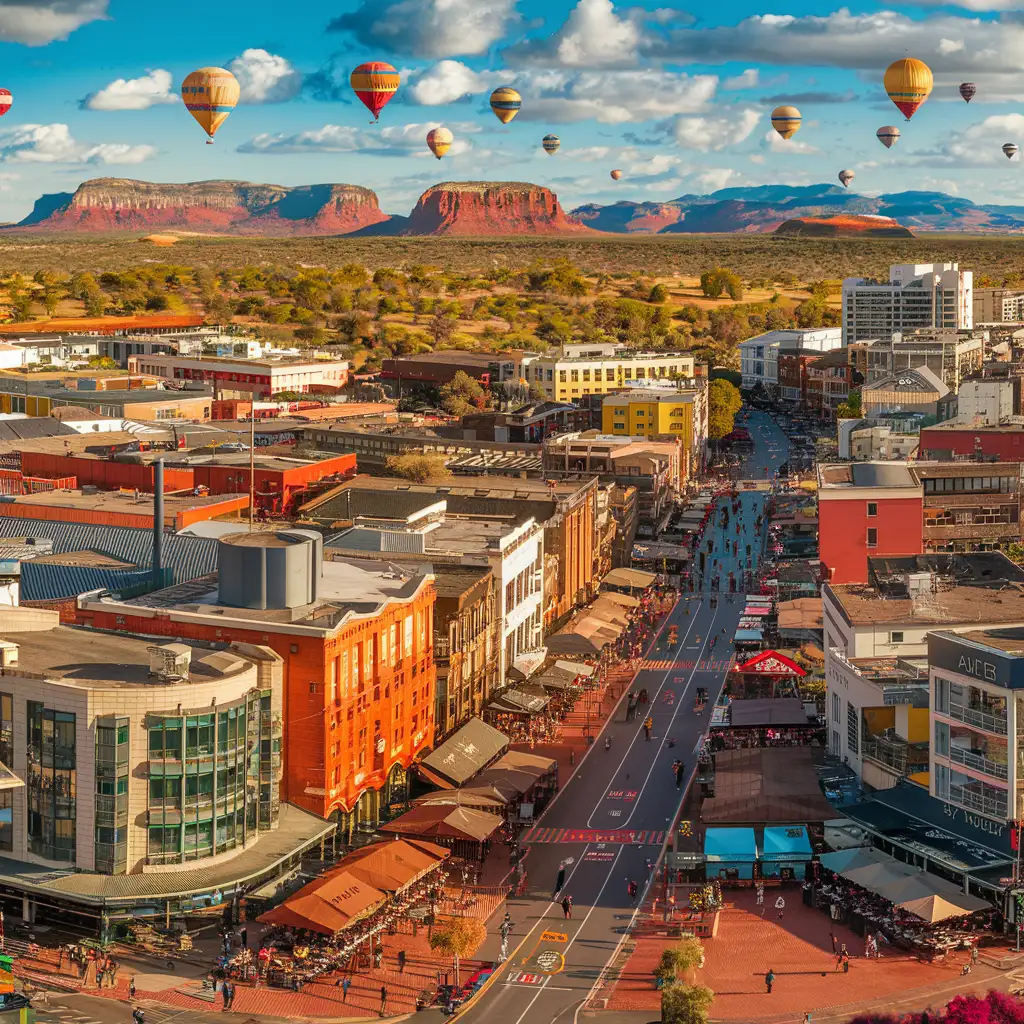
column 771, row 663
column 99, row 324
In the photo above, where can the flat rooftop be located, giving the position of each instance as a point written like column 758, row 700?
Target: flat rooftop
column 948, row 589
column 348, row 587
column 118, row 501
column 95, row 660
column 1011, row 641
column 867, row 474
column 113, row 396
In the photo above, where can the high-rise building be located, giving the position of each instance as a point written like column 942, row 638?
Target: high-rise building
column 916, row 295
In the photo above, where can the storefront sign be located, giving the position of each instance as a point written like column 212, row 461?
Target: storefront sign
column 977, row 661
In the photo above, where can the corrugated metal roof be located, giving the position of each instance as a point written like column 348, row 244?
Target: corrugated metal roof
column 50, row 582
column 33, row 427
column 189, row 557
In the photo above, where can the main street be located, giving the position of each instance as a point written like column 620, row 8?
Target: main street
column 627, row 788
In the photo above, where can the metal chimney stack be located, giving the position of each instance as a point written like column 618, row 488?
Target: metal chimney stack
column 158, row 522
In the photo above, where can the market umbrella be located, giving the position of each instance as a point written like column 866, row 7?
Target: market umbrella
column 939, row 908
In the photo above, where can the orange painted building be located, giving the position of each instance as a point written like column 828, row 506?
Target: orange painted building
column 358, row 667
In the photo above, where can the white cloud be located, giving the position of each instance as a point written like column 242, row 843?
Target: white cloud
column 715, row 133
column 611, row 97
column 38, row 22
column 715, row 178
column 54, row 144
column 428, row 28
column 777, row 144
column 582, row 155
column 265, row 77
column 594, row 36
column 971, row 5
column 979, row 144
column 948, row 46
column 756, row 158
column 749, row 79
column 395, row 140
column 448, row 81
column 134, row 93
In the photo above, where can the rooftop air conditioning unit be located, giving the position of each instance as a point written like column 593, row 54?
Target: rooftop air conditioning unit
column 170, row 663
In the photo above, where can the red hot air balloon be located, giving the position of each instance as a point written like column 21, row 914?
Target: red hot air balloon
column 6, row 99
column 374, row 83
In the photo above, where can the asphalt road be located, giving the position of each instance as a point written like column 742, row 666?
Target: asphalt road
column 555, row 963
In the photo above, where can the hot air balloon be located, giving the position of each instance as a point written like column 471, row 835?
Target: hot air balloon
column 6, row 99
column 374, row 83
column 440, row 141
column 967, row 90
column 210, row 94
column 908, row 83
column 786, row 121
column 551, row 144
column 616, row 175
column 888, row 135
column 1011, row 149
column 505, row 102
column 846, row 177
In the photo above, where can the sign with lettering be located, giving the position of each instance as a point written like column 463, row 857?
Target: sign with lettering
column 976, row 661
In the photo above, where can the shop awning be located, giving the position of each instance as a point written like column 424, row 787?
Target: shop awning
column 518, row 772
column 939, row 908
column 849, row 859
column 623, row 600
column 757, row 610
column 518, row 702
column 748, row 636
column 730, row 844
column 771, row 663
column 786, row 843
column 635, row 579
column 523, row 667
column 587, row 633
column 461, row 756
column 394, row 865
column 477, row 797
column 435, row 821
column 580, row 668
column 327, row 905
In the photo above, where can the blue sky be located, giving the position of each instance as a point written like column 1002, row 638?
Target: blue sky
column 678, row 97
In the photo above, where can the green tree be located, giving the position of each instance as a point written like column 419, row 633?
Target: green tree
column 659, row 294
column 420, row 469
column 851, row 408
column 714, row 282
column 724, row 402
column 686, row 956
column 458, row 937
column 686, row 1004
column 462, row 395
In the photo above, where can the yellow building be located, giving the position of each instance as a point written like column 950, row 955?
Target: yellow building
column 579, row 370
column 656, row 412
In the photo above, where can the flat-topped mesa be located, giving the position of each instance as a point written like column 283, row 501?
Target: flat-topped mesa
column 232, row 207
column 490, row 208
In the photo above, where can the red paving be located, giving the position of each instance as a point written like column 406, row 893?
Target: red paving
column 798, row 949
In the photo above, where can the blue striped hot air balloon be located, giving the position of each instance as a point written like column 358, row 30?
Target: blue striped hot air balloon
column 551, row 144
column 505, row 102
column 210, row 94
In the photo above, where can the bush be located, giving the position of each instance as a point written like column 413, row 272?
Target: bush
column 687, row 955
column 686, row 1004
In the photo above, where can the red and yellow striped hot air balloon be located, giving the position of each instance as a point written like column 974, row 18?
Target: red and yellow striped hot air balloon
column 908, row 83
column 375, row 83
column 210, row 94
column 6, row 99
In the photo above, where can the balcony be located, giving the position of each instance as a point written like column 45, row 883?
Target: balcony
column 978, row 718
column 112, row 811
column 978, row 762
column 896, row 754
column 988, row 804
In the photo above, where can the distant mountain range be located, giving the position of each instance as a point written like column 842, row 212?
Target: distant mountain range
column 763, row 208
column 118, row 205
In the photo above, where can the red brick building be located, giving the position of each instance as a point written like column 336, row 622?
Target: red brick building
column 1002, row 443
column 867, row 510
column 357, row 642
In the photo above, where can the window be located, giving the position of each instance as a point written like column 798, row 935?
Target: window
column 872, row 537
column 872, row 508
column 852, row 734
column 896, row 637
column 837, row 708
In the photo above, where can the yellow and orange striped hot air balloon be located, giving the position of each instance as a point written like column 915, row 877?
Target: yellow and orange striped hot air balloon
column 439, row 140
column 908, row 83
column 505, row 102
column 375, row 83
column 786, row 121
column 210, row 94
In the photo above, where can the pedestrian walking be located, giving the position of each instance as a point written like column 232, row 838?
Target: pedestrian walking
column 832, row 936
column 648, row 726
column 780, row 906
column 383, row 999
column 974, row 952
column 769, row 980
column 632, row 888
column 567, row 907
column 245, row 938
column 131, row 988
column 225, row 992
column 401, row 961
column 760, row 894
column 345, row 982
column 559, row 881
column 231, row 994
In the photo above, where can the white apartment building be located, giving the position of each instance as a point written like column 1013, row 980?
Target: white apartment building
column 998, row 306
column 916, row 295
column 759, row 356
column 594, row 369
column 876, row 640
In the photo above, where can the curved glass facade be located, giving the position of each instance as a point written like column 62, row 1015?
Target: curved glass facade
column 211, row 779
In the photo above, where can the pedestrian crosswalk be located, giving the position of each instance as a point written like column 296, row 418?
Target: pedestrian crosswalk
column 704, row 665
column 590, row 835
